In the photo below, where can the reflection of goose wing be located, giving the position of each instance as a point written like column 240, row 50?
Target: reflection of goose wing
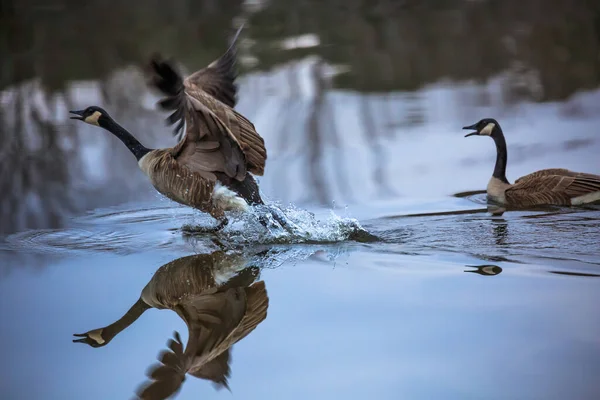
column 210, row 318
column 217, row 370
column 169, row 375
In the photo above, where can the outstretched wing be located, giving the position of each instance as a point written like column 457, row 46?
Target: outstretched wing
column 211, row 89
column 218, row 79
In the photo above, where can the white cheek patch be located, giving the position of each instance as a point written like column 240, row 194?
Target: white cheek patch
column 97, row 336
column 488, row 270
column 93, row 119
column 488, row 129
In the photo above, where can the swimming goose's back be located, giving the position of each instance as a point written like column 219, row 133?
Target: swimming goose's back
column 555, row 186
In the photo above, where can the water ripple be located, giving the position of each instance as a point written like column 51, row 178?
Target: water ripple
column 565, row 236
column 125, row 230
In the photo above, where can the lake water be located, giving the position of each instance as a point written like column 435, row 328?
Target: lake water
column 450, row 302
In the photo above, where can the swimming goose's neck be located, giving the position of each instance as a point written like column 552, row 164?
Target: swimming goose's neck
column 129, row 318
column 127, row 138
column 501, row 157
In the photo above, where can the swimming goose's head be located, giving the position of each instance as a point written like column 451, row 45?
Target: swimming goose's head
column 93, row 338
column 485, row 127
column 92, row 115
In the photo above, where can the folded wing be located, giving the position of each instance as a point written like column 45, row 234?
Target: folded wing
column 552, row 186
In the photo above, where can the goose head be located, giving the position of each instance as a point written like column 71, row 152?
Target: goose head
column 93, row 338
column 92, row 115
column 485, row 127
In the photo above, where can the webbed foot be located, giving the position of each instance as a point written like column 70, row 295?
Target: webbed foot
column 197, row 230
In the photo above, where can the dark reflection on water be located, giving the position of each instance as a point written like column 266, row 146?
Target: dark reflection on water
column 220, row 302
column 341, row 324
column 486, row 270
column 441, row 293
column 551, row 234
column 126, row 230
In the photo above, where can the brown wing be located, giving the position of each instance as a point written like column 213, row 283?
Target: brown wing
column 218, row 79
column 210, row 318
column 209, row 145
column 214, row 87
column 252, row 144
column 257, row 303
column 551, row 186
column 217, row 370
column 546, row 172
column 212, row 354
column 168, row 375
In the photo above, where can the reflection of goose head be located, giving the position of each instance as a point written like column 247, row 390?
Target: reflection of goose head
column 220, row 303
column 486, row 270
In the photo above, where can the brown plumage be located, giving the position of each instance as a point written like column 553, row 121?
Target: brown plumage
column 204, row 101
column 219, row 146
column 220, row 304
column 552, row 186
column 209, row 169
column 555, row 186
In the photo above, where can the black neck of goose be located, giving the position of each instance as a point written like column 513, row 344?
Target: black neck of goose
column 127, row 138
column 129, row 318
column 501, row 156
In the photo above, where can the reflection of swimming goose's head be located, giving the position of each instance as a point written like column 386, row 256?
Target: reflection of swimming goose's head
column 486, row 270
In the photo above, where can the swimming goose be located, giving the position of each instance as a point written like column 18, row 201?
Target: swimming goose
column 554, row 186
column 220, row 304
column 209, row 169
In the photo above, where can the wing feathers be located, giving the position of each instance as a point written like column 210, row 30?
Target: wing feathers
column 204, row 102
column 218, row 79
column 552, row 186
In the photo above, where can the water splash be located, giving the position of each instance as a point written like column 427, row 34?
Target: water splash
column 288, row 225
column 137, row 227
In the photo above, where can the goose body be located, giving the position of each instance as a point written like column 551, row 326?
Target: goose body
column 210, row 168
column 220, row 303
column 554, row 186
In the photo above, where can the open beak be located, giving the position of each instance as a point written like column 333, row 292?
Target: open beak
column 472, row 127
column 83, row 336
column 78, row 113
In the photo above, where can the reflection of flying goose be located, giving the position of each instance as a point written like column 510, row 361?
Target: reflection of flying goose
column 220, row 305
column 209, row 169
column 554, row 186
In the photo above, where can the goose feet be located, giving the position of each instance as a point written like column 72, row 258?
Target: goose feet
column 270, row 214
column 196, row 230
